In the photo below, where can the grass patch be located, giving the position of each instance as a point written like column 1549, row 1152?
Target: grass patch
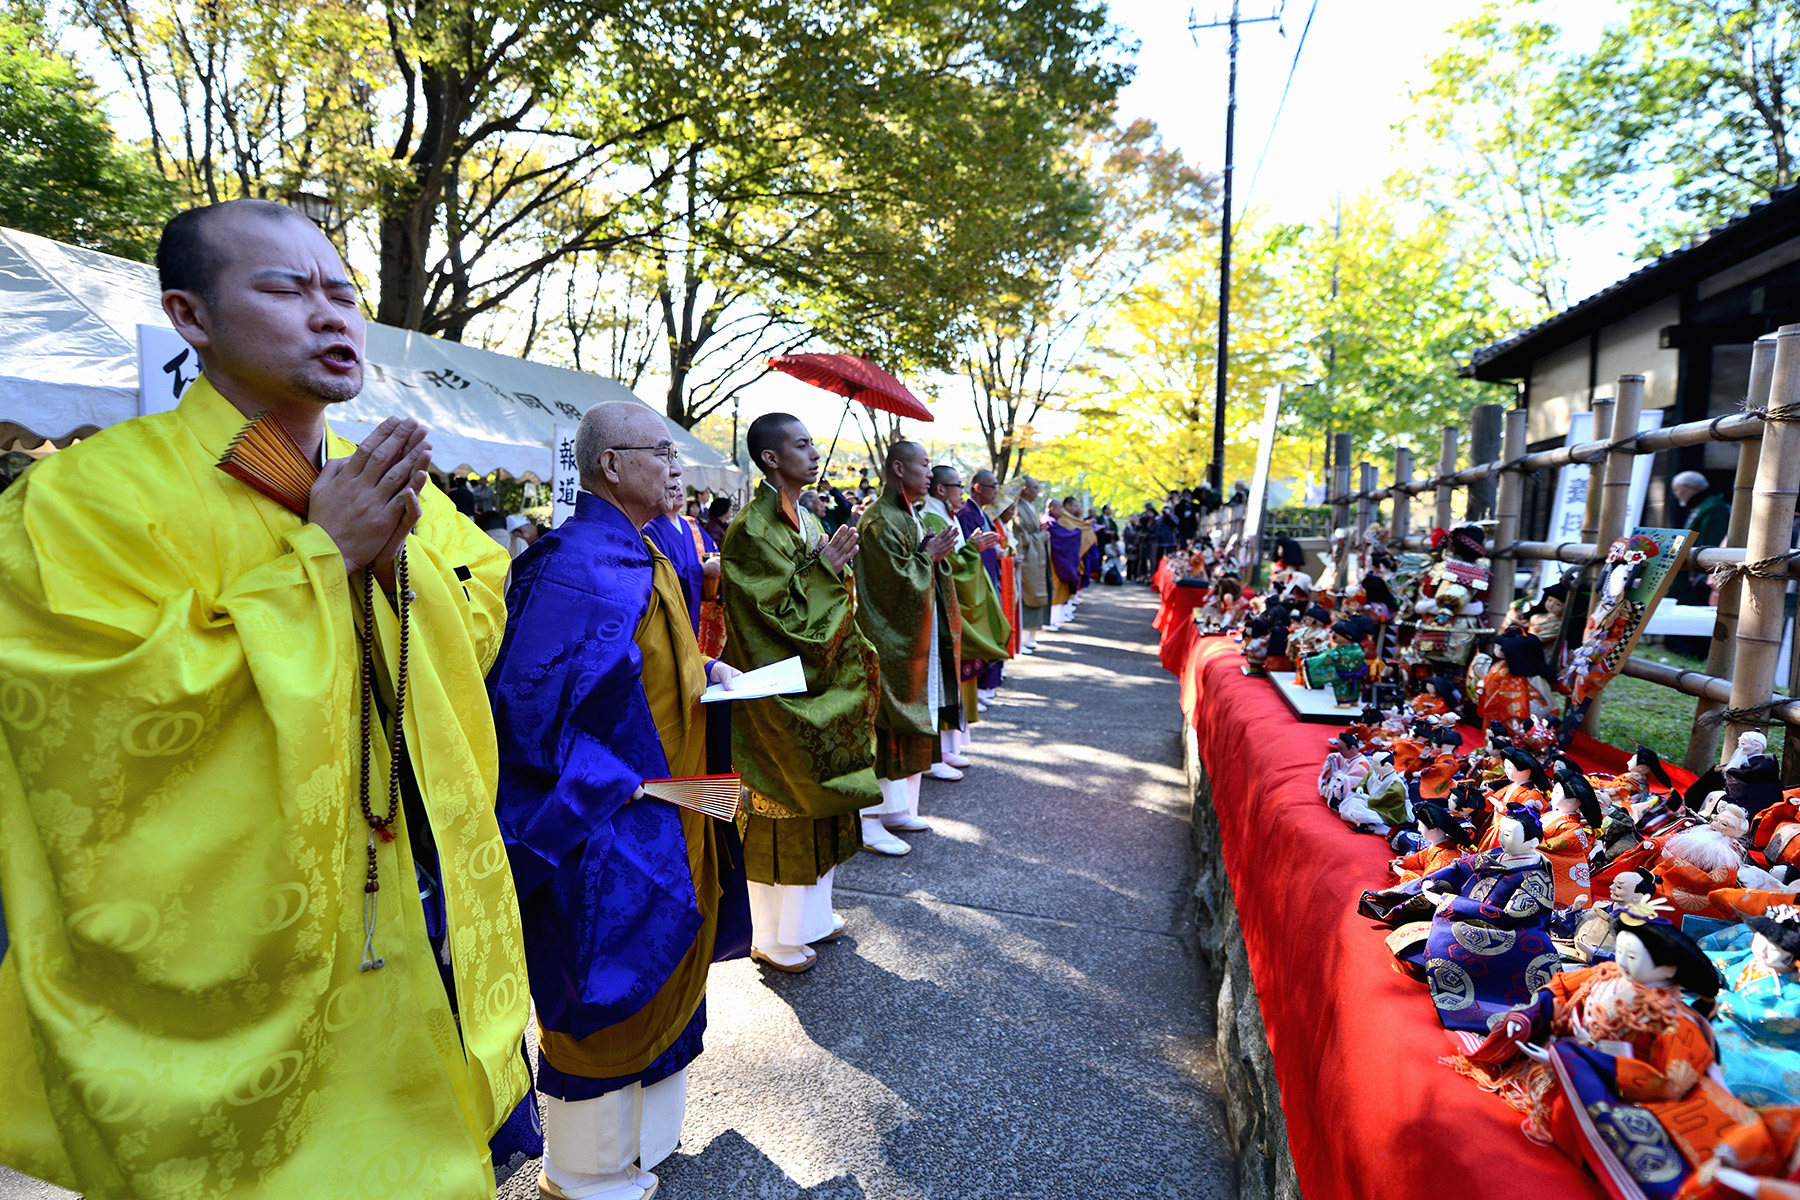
column 1636, row 712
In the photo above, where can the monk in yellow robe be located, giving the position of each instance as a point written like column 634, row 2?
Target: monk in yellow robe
column 202, row 996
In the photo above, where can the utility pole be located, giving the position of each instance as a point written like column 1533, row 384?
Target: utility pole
column 1216, row 471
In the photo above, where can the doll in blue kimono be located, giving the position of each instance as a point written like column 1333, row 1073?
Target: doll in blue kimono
column 1758, row 1018
column 1485, row 949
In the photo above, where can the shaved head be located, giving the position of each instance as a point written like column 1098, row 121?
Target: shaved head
column 622, row 452
column 615, row 423
column 189, row 257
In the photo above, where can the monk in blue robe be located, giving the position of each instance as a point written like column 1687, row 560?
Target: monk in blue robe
column 597, row 689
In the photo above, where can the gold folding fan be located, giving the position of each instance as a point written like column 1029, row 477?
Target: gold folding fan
column 265, row 456
column 715, row 795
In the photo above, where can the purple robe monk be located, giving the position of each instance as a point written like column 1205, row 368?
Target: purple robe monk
column 626, row 899
column 974, row 521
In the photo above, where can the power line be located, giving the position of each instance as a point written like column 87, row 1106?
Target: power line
column 1292, row 67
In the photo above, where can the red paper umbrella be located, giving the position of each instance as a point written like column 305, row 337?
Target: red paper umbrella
column 856, row 379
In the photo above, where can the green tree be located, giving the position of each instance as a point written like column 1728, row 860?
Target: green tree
column 1146, row 203
column 1688, row 106
column 1390, row 309
column 62, row 172
column 1492, row 114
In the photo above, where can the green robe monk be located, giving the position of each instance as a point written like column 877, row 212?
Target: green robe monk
column 906, row 607
column 806, row 758
column 985, row 629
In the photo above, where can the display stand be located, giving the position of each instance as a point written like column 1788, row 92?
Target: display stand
column 1311, row 704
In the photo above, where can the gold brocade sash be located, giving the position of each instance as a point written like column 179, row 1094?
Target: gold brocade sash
column 674, row 676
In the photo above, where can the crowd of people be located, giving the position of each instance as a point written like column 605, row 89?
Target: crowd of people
column 1154, row 534
column 313, row 795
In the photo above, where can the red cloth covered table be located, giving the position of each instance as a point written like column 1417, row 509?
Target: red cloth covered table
column 1370, row 1110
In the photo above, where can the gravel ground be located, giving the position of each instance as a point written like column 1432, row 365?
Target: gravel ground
column 1015, row 1010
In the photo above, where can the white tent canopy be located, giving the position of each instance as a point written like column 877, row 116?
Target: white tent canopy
column 69, row 366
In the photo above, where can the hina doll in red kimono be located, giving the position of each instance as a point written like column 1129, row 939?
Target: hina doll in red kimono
column 1619, row 1076
column 1569, row 834
column 1760, row 1159
column 1525, row 784
column 1696, row 862
column 1442, row 840
column 1517, row 684
column 1438, row 697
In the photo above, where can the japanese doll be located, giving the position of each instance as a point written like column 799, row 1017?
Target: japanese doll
column 1760, row 1159
column 1378, row 801
column 1589, row 929
column 1615, row 619
column 1697, row 861
column 1256, row 645
column 1341, row 667
column 1442, row 840
column 1619, row 1063
column 1516, row 686
column 1751, row 780
column 1475, row 930
column 1312, row 635
column 1342, row 771
column 1525, row 784
column 1757, row 1021
column 1438, row 697
column 1569, row 834
column 1224, row 609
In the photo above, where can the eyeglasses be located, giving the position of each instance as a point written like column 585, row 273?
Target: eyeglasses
column 667, row 451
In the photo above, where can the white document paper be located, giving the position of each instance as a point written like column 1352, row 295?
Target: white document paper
column 777, row 679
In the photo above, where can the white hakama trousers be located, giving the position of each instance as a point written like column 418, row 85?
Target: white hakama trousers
column 594, row 1142
column 786, row 916
column 893, row 799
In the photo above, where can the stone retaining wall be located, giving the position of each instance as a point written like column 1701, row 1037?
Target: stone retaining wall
column 1252, row 1100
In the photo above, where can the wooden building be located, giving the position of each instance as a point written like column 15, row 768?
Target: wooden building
column 1685, row 322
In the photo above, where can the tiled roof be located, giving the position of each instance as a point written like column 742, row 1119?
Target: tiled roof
column 1750, row 232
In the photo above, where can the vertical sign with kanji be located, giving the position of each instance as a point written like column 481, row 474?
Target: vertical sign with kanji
column 1572, row 485
column 565, row 480
column 167, row 366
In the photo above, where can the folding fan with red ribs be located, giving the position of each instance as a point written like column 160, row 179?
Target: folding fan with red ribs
column 265, row 456
column 715, row 795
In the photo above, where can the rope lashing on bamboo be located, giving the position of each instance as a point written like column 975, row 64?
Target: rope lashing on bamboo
column 1781, row 412
column 1774, row 567
column 1756, row 714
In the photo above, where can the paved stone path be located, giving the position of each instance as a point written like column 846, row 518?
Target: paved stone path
column 1015, row 1010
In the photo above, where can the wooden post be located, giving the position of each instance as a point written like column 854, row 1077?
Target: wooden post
column 1400, row 524
column 1446, row 466
column 1763, row 612
column 1365, row 507
column 1703, row 742
column 1615, row 500
column 1615, row 493
column 1509, row 497
column 1603, row 423
column 1340, row 513
column 1485, row 421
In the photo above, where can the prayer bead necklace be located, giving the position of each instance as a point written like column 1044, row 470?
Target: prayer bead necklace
column 381, row 827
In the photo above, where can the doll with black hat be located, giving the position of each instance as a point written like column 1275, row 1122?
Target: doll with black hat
column 1516, row 685
column 1341, row 666
column 1569, row 824
column 1442, row 840
column 1524, row 784
column 1438, row 697
column 1486, row 948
